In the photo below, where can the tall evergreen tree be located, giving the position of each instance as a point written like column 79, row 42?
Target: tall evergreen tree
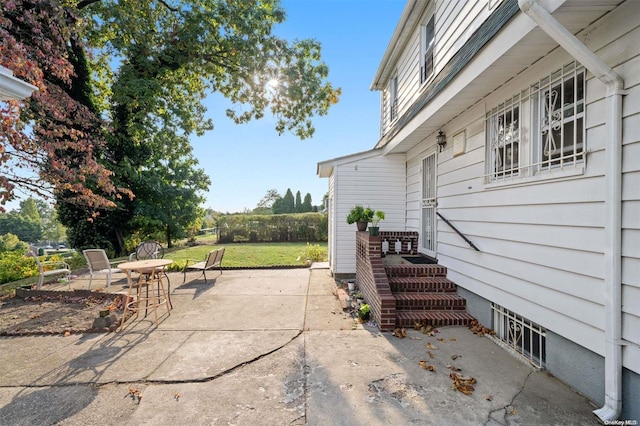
column 307, row 206
column 289, row 202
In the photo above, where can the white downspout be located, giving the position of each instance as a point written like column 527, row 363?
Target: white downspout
column 613, row 200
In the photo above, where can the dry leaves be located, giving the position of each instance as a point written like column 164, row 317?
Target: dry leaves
column 424, row 364
column 462, row 383
column 430, row 346
column 479, row 329
column 400, row 332
column 135, row 394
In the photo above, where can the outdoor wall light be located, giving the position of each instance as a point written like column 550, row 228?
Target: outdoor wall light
column 441, row 139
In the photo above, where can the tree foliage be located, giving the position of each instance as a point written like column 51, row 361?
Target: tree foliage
column 53, row 142
column 102, row 135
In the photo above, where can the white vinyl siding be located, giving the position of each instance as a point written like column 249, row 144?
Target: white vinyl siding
column 541, row 240
column 453, row 22
column 376, row 181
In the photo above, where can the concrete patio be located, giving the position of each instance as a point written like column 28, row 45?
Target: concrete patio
column 270, row 347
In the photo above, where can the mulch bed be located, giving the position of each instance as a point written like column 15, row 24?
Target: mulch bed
column 42, row 312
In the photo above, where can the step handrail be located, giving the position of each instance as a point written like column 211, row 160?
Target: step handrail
column 473, row 246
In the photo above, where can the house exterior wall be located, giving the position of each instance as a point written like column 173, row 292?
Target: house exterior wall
column 542, row 239
column 377, row 182
column 454, row 22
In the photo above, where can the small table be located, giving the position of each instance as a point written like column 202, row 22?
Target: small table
column 152, row 268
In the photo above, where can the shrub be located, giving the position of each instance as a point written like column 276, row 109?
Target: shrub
column 14, row 265
column 314, row 253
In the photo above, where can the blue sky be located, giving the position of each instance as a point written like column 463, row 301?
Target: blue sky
column 245, row 161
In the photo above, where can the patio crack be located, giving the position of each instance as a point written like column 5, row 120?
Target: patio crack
column 507, row 409
column 165, row 381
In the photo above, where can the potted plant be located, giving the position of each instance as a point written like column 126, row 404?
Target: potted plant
column 361, row 216
column 359, row 297
column 363, row 312
column 378, row 215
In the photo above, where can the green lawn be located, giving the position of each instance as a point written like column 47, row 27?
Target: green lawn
column 247, row 254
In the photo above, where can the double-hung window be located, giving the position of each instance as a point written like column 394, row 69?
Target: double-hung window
column 540, row 130
column 393, row 98
column 426, row 49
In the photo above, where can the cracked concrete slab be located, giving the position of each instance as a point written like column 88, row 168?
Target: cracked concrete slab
column 268, row 348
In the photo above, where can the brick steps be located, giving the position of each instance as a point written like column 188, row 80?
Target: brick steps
column 429, row 302
column 424, row 295
column 421, row 284
column 433, row 318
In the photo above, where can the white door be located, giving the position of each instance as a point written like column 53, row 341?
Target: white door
column 428, row 228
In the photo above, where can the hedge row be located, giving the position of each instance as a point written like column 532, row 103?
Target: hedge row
column 310, row 227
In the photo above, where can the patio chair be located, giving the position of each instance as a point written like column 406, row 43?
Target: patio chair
column 212, row 260
column 50, row 268
column 147, row 250
column 99, row 264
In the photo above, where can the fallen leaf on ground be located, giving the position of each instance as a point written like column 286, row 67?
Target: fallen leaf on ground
column 400, row 332
column 430, row 355
column 489, row 398
column 462, row 383
column 454, row 357
column 453, row 339
column 479, row 329
column 177, row 396
column 453, row 368
column 427, row 366
column 430, row 346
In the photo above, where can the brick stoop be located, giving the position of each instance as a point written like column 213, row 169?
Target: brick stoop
column 424, row 295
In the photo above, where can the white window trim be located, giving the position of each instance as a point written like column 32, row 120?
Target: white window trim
column 425, row 49
column 393, row 98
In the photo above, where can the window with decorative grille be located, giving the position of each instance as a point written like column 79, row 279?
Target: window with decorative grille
column 525, row 337
column 539, row 130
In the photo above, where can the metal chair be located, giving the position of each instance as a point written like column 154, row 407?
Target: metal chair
column 98, row 263
column 147, row 250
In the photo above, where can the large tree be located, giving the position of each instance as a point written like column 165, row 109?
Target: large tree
column 51, row 144
column 168, row 55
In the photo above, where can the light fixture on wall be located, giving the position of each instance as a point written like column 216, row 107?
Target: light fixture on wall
column 441, row 139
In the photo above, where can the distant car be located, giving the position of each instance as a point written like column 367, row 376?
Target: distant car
column 48, row 247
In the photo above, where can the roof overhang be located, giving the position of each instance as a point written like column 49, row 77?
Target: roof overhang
column 325, row 168
column 13, row 88
column 517, row 46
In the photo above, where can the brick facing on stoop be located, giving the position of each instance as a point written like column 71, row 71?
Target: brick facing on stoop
column 401, row 295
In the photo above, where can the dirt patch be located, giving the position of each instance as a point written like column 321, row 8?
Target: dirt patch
column 33, row 312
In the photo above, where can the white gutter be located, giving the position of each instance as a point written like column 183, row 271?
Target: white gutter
column 12, row 87
column 613, row 200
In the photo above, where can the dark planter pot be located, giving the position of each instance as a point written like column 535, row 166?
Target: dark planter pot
column 362, row 226
column 373, row 231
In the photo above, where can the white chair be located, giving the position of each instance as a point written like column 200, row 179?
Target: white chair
column 50, row 268
column 98, row 263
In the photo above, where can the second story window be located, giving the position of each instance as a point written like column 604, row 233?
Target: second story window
column 426, row 49
column 393, row 98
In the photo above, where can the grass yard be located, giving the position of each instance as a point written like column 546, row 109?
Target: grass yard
column 248, row 254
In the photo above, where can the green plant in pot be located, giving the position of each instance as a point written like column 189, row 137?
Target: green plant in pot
column 378, row 215
column 361, row 216
column 364, row 311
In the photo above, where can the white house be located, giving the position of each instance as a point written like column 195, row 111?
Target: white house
column 538, row 102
